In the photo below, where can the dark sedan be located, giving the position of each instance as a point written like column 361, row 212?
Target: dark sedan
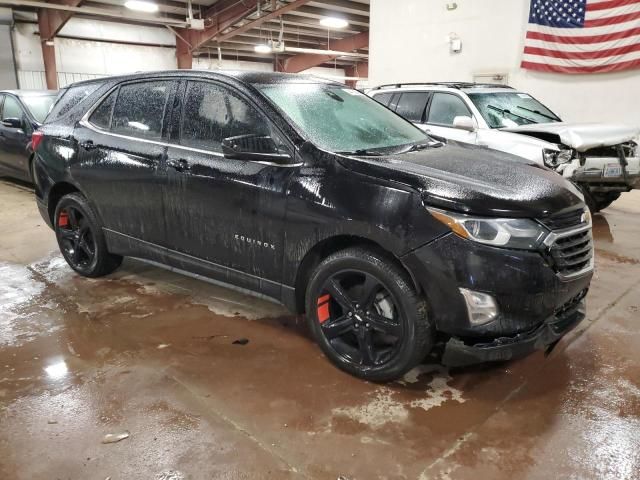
column 22, row 112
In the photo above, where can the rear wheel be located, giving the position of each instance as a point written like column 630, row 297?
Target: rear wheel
column 366, row 316
column 80, row 238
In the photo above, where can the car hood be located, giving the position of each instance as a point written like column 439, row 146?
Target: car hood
column 581, row 136
column 475, row 180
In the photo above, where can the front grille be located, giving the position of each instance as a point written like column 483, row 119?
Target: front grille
column 563, row 220
column 572, row 252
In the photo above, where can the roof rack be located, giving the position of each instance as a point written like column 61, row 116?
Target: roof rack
column 457, row 85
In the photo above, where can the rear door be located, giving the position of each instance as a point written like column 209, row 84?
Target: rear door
column 228, row 212
column 412, row 105
column 14, row 157
column 441, row 111
column 121, row 149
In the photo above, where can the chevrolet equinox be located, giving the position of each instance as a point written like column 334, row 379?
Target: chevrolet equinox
column 315, row 195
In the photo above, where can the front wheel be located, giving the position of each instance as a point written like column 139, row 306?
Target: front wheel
column 366, row 315
column 80, row 238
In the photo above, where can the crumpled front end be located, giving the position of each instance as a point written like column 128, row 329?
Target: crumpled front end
column 606, row 169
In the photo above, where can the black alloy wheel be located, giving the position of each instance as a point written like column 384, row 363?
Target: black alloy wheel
column 77, row 242
column 359, row 318
column 81, row 239
column 366, row 315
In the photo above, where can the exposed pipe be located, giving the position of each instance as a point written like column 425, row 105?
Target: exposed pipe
column 99, row 12
column 332, row 53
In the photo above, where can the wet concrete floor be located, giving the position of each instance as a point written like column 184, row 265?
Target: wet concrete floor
column 151, row 353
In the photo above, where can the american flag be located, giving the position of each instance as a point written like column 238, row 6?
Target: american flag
column 582, row 36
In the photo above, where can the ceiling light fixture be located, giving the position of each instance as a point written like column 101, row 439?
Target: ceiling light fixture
column 334, row 22
column 263, row 48
column 141, row 6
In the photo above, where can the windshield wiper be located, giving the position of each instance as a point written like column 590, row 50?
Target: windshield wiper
column 421, row 146
column 539, row 113
column 363, row 152
column 503, row 111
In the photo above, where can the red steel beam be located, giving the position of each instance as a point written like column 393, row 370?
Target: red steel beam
column 55, row 19
column 260, row 20
column 304, row 61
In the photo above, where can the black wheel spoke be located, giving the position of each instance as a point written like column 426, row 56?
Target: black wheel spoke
column 338, row 293
column 365, row 346
column 337, row 328
column 67, row 234
column 384, row 324
column 84, row 246
column 73, row 218
column 370, row 288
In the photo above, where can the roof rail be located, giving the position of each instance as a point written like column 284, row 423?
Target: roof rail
column 457, row 85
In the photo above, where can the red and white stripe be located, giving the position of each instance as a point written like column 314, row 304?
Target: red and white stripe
column 608, row 42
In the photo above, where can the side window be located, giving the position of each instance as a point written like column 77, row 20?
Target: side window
column 394, row 101
column 69, row 98
column 445, row 107
column 11, row 108
column 212, row 113
column 383, row 98
column 101, row 116
column 411, row 105
column 139, row 109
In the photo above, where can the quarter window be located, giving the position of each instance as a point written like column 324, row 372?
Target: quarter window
column 70, row 98
column 445, row 107
column 383, row 98
column 212, row 113
column 101, row 116
column 139, row 109
column 411, row 106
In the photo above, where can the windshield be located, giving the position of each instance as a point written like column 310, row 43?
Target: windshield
column 340, row 119
column 38, row 105
column 510, row 109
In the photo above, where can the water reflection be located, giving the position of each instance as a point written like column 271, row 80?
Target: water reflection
column 57, row 370
column 601, row 229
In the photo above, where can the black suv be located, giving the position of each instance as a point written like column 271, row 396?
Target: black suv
column 313, row 194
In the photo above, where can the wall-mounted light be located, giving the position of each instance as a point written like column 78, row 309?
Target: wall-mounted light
column 141, row 6
column 455, row 43
column 334, row 22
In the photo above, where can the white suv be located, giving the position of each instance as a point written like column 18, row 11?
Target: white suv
column 601, row 158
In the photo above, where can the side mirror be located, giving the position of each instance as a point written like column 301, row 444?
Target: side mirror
column 464, row 122
column 251, row 147
column 12, row 122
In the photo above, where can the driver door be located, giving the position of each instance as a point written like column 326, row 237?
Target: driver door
column 14, row 157
column 223, row 210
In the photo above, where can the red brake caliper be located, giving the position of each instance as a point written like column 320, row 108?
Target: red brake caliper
column 63, row 219
column 323, row 308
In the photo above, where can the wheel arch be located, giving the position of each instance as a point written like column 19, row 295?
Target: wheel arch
column 330, row 245
column 56, row 192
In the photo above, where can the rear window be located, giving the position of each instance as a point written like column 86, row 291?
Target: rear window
column 69, row 98
column 39, row 105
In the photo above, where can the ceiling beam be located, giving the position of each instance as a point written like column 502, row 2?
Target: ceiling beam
column 304, row 61
column 50, row 22
column 260, row 20
column 219, row 17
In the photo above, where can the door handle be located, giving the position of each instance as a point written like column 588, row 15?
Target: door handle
column 89, row 145
column 180, row 165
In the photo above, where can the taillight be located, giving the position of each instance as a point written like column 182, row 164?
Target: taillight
column 36, row 138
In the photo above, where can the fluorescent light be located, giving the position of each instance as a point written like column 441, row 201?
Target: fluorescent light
column 262, row 48
column 333, row 22
column 141, row 6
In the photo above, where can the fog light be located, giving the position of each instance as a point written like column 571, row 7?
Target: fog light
column 482, row 307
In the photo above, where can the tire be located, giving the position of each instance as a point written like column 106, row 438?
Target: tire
column 374, row 332
column 598, row 201
column 80, row 238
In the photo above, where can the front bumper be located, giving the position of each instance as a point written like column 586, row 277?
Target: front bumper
column 458, row 353
column 535, row 302
column 592, row 173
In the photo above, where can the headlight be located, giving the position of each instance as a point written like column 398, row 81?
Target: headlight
column 553, row 158
column 520, row 233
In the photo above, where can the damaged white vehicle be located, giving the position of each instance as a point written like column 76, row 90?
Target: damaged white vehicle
column 602, row 159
